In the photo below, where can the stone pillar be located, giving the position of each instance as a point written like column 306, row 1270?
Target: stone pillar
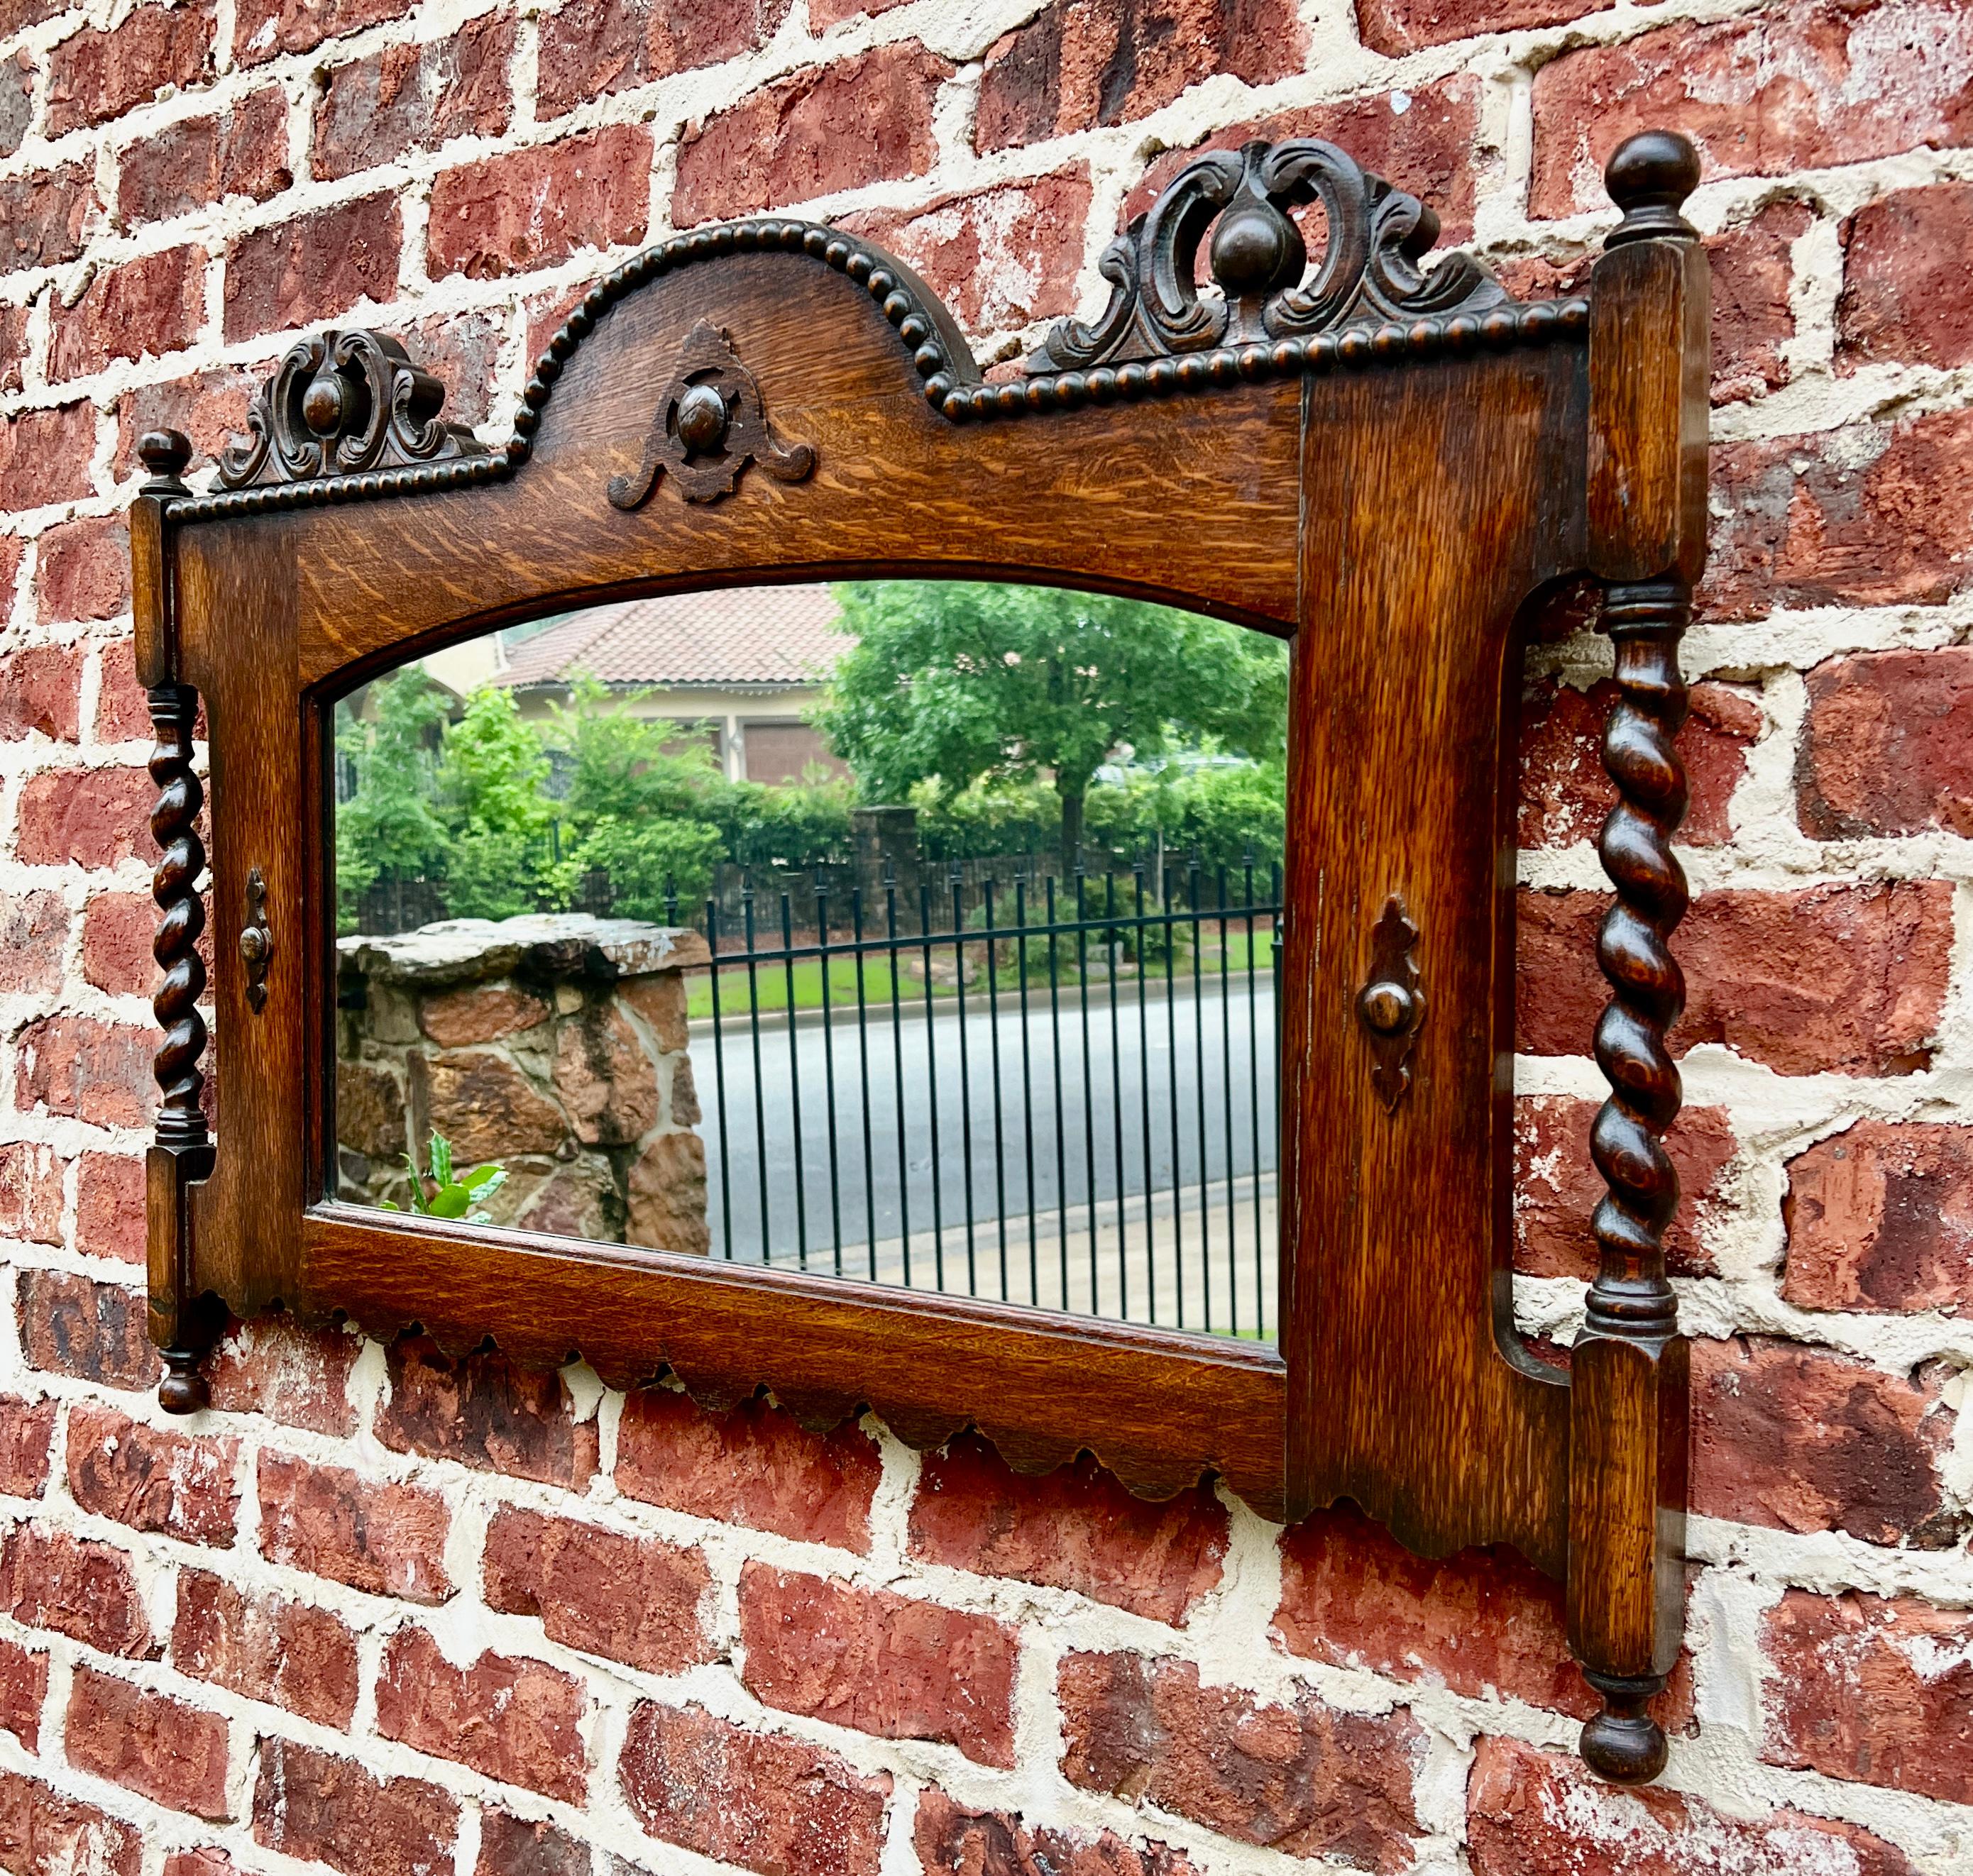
column 882, row 834
column 553, row 1045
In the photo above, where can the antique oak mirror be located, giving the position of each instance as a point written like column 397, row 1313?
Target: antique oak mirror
column 1370, row 456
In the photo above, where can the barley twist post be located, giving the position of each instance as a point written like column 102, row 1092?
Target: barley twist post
column 182, row 1151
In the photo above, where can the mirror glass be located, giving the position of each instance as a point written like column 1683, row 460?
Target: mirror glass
column 920, row 934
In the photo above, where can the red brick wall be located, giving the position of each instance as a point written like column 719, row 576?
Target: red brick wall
column 392, row 1616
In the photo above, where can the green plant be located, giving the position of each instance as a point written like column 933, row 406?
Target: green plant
column 450, row 1197
column 493, row 787
column 391, row 824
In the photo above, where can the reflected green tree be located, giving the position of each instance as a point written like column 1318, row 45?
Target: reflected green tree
column 961, row 684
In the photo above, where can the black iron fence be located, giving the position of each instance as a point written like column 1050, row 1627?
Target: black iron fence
column 1059, row 1091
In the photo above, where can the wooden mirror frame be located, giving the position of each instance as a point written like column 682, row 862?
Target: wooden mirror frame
column 1391, row 465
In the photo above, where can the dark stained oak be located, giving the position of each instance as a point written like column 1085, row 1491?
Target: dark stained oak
column 1392, row 466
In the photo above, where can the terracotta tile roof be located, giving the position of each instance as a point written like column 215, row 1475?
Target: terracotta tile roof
column 748, row 636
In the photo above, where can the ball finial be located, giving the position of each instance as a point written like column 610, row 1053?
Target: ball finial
column 1648, row 177
column 183, row 1389
column 164, row 454
column 1623, row 1742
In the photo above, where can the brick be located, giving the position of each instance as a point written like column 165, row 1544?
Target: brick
column 85, row 565
column 264, row 29
column 509, row 1846
column 1878, row 1690
column 590, row 48
column 1426, row 148
column 298, row 1376
column 209, row 1861
column 1084, row 62
column 242, row 151
column 1879, row 1220
column 753, row 1466
column 1863, row 517
column 1907, row 279
column 209, row 407
column 165, row 1750
column 1848, row 979
column 24, row 1685
column 75, row 1586
column 949, row 1837
column 93, row 817
column 1753, row 315
column 152, row 1480
column 34, row 934
column 314, row 267
column 142, row 309
column 999, row 259
column 44, row 213
column 1397, row 27
column 117, row 931
column 412, row 97
column 273, row 1648
column 1809, row 84
column 530, row 208
column 26, row 1428
column 95, row 75
column 517, row 1720
column 45, row 454
column 43, row 1833
column 1888, row 746
column 879, row 1662
column 110, row 1206
column 1533, row 1813
column 15, row 344
column 324, row 1810
column 1557, row 1186
column 1791, row 1437
column 1564, row 794
column 40, row 693
column 486, row 1411
column 95, row 1331
column 1308, row 1779
column 635, row 1599
column 31, row 1175
column 817, row 132
column 97, row 1072
column 17, row 100
column 383, row 1537
column 1484, row 1624
column 775, row 1805
column 1075, row 1528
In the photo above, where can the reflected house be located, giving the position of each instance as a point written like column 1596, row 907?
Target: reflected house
column 743, row 668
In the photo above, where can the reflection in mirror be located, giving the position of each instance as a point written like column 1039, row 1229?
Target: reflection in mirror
column 919, row 933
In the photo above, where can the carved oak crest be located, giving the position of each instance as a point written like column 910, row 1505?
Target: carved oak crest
column 708, row 426
column 1368, row 270
column 343, row 404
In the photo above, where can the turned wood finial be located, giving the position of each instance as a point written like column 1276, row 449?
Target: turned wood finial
column 183, row 1389
column 1623, row 1742
column 1649, row 177
column 164, row 454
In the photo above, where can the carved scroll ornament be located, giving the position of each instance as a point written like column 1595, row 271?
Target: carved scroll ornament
column 342, row 404
column 1368, row 270
column 709, row 425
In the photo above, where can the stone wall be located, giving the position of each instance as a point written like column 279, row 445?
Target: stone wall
column 382, row 1613
column 554, row 1046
